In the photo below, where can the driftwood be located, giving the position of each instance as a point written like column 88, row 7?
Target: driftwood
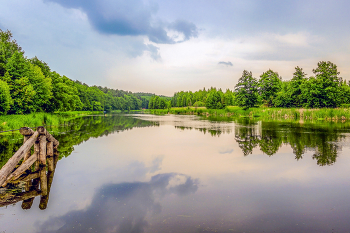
column 21, row 169
column 13, row 161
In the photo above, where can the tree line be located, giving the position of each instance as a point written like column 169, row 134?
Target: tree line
column 324, row 89
column 211, row 98
column 29, row 85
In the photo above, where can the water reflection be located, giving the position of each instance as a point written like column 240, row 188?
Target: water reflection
column 122, row 207
column 75, row 132
column 322, row 139
column 26, row 188
column 270, row 136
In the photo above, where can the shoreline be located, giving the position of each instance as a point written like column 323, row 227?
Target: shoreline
column 301, row 114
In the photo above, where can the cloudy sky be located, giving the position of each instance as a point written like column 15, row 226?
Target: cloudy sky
column 164, row 46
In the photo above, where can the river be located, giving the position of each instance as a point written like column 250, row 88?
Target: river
column 146, row 173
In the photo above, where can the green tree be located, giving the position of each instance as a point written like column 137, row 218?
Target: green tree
column 269, row 85
column 23, row 96
column 215, row 99
column 42, row 86
column 5, row 98
column 284, row 97
column 299, row 77
column 328, row 83
column 246, row 90
column 8, row 47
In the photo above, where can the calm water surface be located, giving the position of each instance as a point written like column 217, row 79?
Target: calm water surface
column 145, row 173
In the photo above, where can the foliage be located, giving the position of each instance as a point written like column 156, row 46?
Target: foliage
column 157, row 102
column 35, row 88
column 269, row 85
column 246, row 90
column 215, row 99
column 5, row 98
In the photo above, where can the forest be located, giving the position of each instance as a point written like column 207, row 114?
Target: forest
column 325, row 89
column 29, row 85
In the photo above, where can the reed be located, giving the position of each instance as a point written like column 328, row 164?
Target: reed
column 327, row 114
column 13, row 122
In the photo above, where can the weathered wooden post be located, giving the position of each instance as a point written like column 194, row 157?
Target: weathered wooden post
column 50, row 158
column 42, row 145
column 26, row 132
column 36, row 151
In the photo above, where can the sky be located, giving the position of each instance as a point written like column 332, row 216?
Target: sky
column 165, row 46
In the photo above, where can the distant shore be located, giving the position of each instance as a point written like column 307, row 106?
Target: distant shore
column 321, row 114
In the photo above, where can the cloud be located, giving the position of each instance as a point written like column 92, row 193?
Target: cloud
column 188, row 29
column 121, row 207
column 131, row 18
column 225, row 151
column 154, row 52
column 225, row 63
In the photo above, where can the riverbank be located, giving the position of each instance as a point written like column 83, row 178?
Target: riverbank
column 326, row 114
column 14, row 122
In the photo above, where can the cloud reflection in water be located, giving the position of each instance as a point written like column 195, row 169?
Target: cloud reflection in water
column 122, row 207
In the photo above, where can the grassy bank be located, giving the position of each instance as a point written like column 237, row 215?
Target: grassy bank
column 327, row 114
column 13, row 122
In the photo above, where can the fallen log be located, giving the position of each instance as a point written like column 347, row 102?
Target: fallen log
column 13, row 161
column 21, row 169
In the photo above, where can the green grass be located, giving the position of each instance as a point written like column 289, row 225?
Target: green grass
column 327, row 114
column 13, row 122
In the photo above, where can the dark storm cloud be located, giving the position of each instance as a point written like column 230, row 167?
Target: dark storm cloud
column 121, row 207
column 187, row 28
column 130, row 18
column 225, row 63
column 237, row 18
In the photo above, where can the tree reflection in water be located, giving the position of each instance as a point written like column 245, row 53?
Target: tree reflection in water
column 320, row 138
column 270, row 136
